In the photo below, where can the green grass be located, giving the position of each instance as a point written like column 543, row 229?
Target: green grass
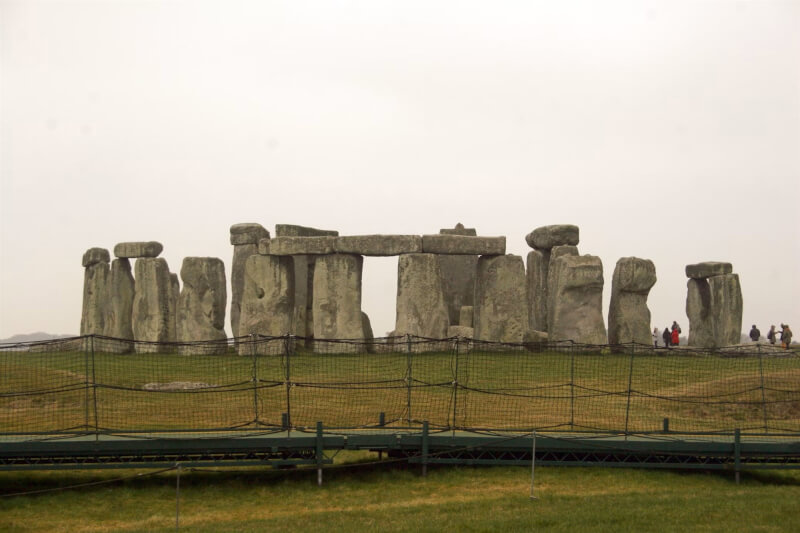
column 397, row 498
column 497, row 390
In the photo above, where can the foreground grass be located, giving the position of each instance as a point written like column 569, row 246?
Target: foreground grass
column 396, row 498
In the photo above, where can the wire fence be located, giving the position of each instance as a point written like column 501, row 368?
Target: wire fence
column 98, row 384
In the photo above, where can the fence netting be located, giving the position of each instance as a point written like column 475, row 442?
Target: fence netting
column 255, row 383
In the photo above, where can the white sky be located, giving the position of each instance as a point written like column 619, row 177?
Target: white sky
column 667, row 130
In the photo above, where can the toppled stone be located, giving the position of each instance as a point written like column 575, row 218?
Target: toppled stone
column 95, row 298
column 119, row 320
column 535, row 336
column 248, row 233
column 135, row 250
column 302, row 245
column 628, row 314
column 151, row 303
column 94, row 256
column 708, row 269
column 291, row 230
column 201, row 305
column 421, row 308
column 460, row 331
column 378, row 245
column 546, row 237
column 463, row 245
column 575, row 300
column 500, row 310
column 459, row 230
column 337, row 300
column 268, row 297
column 465, row 317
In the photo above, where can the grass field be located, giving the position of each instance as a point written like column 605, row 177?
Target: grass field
column 397, row 498
column 512, row 390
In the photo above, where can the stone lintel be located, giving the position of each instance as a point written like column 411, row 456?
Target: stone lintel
column 291, row 230
column 463, row 245
column 132, row 250
column 378, row 245
column 459, row 230
column 546, row 237
column 301, row 246
column 708, row 269
column 248, row 233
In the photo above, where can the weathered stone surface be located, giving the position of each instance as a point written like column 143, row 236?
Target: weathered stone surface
column 463, row 245
column 268, row 298
column 708, row 269
column 241, row 253
column 303, row 277
column 500, row 310
column 151, row 303
column 575, row 300
column 458, row 283
column 535, row 336
column 132, row 250
column 726, row 308
column 94, row 256
column 366, row 325
column 460, row 331
column 546, row 237
column 465, row 316
column 378, row 245
column 421, row 308
column 122, row 288
column 538, row 264
column 714, row 308
column 563, row 249
column 337, row 300
column 201, row 305
column 175, row 293
column 95, row 299
column 291, row 230
column 302, row 245
column 459, row 230
column 263, row 246
column 698, row 309
column 628, row 315
column 248, row 233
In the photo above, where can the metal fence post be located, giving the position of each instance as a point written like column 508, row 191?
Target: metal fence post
column 737, row 452
column 628, row 405
column 408, row 376
column 763, row 390
column 94, row 393
column 288, row 355
column 455, row 389
column 254, row 377
column 572, row 387
column 320, row 453
column 424, row 448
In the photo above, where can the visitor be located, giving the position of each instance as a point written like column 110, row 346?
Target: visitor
column 655, row 337
column 771, row 334
column 786, row 336
column 676, row 340
column 755, row 334
column 676, row 326
column 667, row 337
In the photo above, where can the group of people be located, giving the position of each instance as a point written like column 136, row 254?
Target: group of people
column 670, row 337
column 772, row 335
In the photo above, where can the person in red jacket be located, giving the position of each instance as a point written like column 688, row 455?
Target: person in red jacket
column 675, row 337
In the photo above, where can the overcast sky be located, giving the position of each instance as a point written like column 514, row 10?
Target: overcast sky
column 668, row 130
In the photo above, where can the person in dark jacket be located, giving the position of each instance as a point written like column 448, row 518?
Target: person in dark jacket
column 755, row 334
column 772, row 335
column 667, row 337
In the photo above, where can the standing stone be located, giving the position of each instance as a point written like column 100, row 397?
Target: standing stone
column 500, row 312
column 698, row 309
column 575, row 300
column 538, row 264
column 201, row 305
column 268, row 298
column 174, row 294
column 421, row 308
column 245, row 239
column 337, row 301
column 713, row 305
column 628, row 315
column 465, row 317
column 151, row 303
column 368, row 335
column 95, row 291
column 726, row 308
column 303, row 278
column 119, row 320
column 458, row 276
